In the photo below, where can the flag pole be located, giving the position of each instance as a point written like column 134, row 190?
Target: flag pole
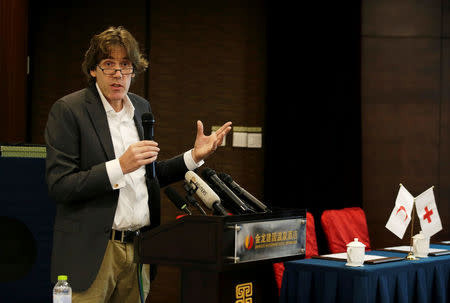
column 410, row 255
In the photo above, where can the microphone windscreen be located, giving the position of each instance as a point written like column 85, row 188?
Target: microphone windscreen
column 148, row 118
column 204, row 192
column 225, row 178
column 208, row 172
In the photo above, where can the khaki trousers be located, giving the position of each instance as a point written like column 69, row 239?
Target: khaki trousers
column 116, row 281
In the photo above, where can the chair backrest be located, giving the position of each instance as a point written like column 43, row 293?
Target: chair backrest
column 310, row 247
column 341, row 226
column 311, row 240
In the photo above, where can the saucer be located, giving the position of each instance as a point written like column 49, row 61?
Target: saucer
column 353, row 265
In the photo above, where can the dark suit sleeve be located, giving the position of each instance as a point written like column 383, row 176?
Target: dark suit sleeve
column 67, row 180
column 171, row 170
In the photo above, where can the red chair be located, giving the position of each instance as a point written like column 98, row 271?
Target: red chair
column 311, row 241
column 341, row 226
column 310, row 249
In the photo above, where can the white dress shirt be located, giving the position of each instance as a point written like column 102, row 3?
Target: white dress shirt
column 132, row 209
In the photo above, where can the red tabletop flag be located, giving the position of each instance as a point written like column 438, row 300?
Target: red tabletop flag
column 426, row 208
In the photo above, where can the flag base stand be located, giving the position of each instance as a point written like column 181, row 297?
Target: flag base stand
column 411, row 257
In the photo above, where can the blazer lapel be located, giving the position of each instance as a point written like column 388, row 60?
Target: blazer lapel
column 137, row 118
column 100, row 121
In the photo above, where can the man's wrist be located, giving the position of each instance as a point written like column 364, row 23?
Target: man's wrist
column 115, row 174
column 190, row 161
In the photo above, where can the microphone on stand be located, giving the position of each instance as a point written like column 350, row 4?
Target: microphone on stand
column 177, row 200
column 205, row 193
column 190, row 198
column 211, row 176
column 242, row 192
column 147, row 123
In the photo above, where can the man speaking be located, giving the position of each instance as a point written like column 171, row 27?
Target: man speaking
column 96, row 173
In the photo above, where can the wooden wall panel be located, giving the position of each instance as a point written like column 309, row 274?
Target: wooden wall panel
column 443, row 197
column 13, row 67
column 400, row 122
column 403, row 108
column 404, row 18
column 446, row 19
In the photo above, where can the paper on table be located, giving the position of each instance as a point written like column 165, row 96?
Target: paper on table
column 399, row 248
column 408, row 248
column 336, row 256
column 344, row 256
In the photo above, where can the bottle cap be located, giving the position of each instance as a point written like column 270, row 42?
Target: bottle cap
column 62, row 277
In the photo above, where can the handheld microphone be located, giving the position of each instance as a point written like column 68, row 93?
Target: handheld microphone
column 177, row 200
column 205, row 193
column 211, row 176
column 240, row 191
column 147, row 123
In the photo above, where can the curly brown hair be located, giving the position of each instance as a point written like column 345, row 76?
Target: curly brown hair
column 100, row 48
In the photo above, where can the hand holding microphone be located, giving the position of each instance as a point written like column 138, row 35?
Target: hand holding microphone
column 143, row 152
column 147, row 124
column 138, row 154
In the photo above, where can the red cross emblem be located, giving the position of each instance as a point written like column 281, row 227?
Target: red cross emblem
column 428, row 214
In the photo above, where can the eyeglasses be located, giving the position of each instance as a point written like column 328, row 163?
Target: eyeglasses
column 113, row 71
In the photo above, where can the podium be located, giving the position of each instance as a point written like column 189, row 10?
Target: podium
column 224, row 259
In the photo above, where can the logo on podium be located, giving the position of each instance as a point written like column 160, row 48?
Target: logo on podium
column 244, row 293
column 248, row 242
column 269, row 239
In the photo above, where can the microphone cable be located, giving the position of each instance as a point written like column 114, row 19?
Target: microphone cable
column 139, row 278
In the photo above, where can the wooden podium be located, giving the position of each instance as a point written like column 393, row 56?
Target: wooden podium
column 226, row 259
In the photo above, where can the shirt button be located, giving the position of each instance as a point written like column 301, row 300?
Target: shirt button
column 116, row 185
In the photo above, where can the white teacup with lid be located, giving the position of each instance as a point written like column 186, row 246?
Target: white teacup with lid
column 421, row 245
column 355, row 253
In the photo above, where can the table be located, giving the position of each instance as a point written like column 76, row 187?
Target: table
column 317, row 280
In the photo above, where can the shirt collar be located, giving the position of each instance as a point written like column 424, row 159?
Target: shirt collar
column 128, row 108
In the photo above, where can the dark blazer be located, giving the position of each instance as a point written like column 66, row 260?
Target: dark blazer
column 78, row 145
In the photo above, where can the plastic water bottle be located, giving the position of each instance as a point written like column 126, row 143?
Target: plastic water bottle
column 62, row 292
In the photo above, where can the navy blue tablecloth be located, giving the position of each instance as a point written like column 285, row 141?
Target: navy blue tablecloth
column 317, row 280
